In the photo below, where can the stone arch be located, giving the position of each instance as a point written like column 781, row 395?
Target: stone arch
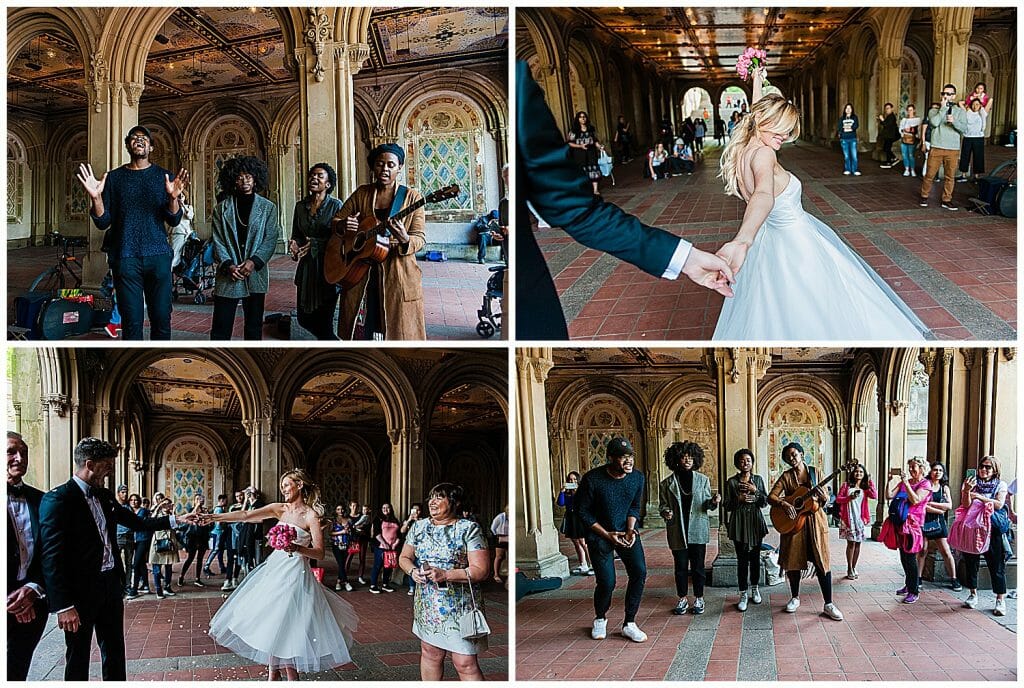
column 695, row 100
column 544, row 39
column 913, row 84
column 388, row 382
column 598, row 420
column 694, row 418
column 25, row 23
column 161, row 448
column 237, row 365
column 19, row 187
column 344, row 465
column 482, row 491
column 780, row 395
column 71, row 146
column 351, row 24
column 863, row 413
column 490, row 375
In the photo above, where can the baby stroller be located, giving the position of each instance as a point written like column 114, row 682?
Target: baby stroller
column 196, row 272
column 490, row 321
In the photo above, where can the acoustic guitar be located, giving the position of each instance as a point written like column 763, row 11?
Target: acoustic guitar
column 349, row 255
column 805, row 503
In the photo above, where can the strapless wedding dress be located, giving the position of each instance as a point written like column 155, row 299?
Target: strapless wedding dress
column 281, row 615
column 800, row 281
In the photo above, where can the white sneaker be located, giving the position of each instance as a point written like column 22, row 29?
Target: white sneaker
column 589, row 571
column 793, row 605
column 846, row 171
column 1000, row 609
column 576, row 571
column 633, row 632
column 833, row 612
column 755, row 595
column 856, row 174
column 972, row 601
column 348, row 587
column 906, row 173
column 337, row 587
column 361, row 581
column 742, row 604
column 227, row 585
column 600, row 629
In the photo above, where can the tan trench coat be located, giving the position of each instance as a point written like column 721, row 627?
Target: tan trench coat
column 810, row 543
column 401, row 278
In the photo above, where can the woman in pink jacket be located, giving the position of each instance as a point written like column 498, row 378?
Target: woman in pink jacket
column 854, row 514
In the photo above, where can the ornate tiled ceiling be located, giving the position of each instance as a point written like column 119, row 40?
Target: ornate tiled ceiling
column 644, row 357
column 402, row 37
column 467, row 408
column 188, row 384
column 705, row 40
column 337, row 397
column 209, row 50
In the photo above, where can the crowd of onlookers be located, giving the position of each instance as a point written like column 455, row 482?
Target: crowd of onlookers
column 357, row 534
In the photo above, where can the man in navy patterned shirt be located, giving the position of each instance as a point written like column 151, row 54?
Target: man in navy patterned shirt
column 133, row 202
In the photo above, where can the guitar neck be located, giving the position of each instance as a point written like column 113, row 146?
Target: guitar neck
column 382, row 227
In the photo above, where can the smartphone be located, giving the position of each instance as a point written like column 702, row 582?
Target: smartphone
column 972, row 473
column 895, row 472
column 570, row 486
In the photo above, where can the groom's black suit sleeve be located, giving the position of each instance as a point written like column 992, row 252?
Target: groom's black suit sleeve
column 563, row 196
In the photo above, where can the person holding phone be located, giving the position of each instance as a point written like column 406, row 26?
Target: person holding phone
column 935, row 527
column 986, row 486
column 854, row 515
column 572, row 527
column 909, row 494
column 608, row 501
column 445, row 555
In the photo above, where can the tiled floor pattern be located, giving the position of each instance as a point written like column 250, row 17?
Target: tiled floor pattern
column 166, row 640
column 452, row 293
column 880, row 639
column 957, row 270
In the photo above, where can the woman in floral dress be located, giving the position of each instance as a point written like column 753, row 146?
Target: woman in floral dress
column 445, row 554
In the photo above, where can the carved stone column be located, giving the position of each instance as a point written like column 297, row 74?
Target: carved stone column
column 264, row 450
column 59, row 439
column 951, row 31
column 407, row 464
column 537, row 550
column 651, row 441
column 282, row 183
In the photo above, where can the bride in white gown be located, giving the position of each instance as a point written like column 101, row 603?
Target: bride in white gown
column 280, row 616
column 799, row 280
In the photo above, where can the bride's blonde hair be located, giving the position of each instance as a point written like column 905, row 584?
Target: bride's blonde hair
column 310, row 491
column 773, row 114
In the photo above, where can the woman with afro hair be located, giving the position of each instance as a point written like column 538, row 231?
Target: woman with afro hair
column 684, row 500
column 245, row 233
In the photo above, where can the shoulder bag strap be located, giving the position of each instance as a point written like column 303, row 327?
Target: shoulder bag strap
column 469, row 582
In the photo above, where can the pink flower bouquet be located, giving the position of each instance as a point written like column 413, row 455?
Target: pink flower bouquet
column 281, row 536
column 751, row 60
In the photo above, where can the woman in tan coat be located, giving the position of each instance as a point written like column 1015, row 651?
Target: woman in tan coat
column 388, row 302
column 809, row 544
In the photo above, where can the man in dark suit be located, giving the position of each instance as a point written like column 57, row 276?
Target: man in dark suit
column 562, row 195
column 84, row 575
column 26, row 601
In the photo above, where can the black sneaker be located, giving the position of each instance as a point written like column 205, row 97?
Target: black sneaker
column 387, row 588
column 198, row 583
column 923, row 203
column 956, row 587
column 374, row 589
column 949, row 206
column 169, row 593
column 131, row 595
column 208, row 572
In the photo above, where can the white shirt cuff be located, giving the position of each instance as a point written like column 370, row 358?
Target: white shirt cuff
column 38, row 588
column 679, row 256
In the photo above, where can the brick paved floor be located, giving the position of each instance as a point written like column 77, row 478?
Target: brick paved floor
column 880, row 639
column 452, row 293
column 166, row 640
column 956, row 270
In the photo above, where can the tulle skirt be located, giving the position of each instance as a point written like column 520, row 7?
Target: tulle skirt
column 281, row 616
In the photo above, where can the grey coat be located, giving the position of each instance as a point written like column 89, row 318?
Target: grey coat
column 264, row 230
column 670, row 499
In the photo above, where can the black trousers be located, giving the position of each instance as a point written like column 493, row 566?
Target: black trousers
column 995, row 558
column 972, row 146
column 105, row 617
column 687, row 561
column 224, row 310
column 198, row 554
column 910, row 578
column 824, row 580
column 320, row 321
column 602, row 559
column 890, row 157
column 139, row 571
column 22, row 639
column 748, row 564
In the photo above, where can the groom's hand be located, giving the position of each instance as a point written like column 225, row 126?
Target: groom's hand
column 709, row 271
column 68, row 621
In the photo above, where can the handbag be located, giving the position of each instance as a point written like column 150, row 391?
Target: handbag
column 473, row 624
column 390, row 559
column 164, row 545
column 909, row 139
column 972, row 528
column 1000, row 522
column 353, row 547
column 932, row 527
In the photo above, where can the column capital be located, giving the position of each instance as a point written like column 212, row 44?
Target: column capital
column 317, row 31
column 927, row 357
column 56, row 403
